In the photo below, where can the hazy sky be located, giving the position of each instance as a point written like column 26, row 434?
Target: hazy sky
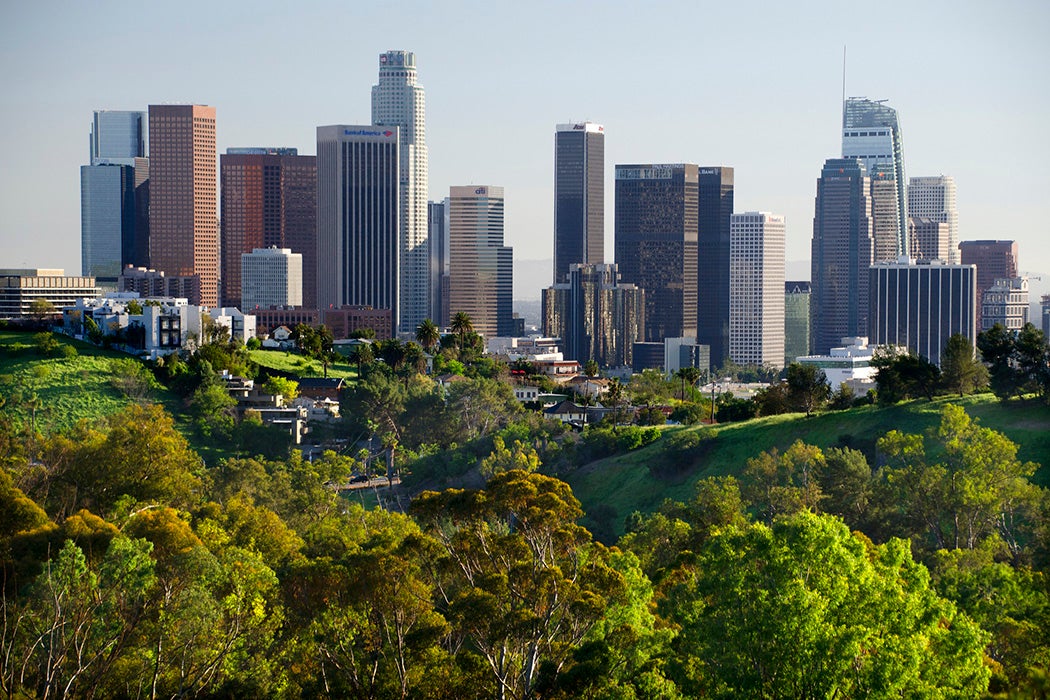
column 753, row 85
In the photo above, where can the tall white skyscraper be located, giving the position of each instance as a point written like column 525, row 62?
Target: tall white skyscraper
column 398, row 101
column 756, row 289
column 934, row 198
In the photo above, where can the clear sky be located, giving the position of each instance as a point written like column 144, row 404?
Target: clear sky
column 753, row 85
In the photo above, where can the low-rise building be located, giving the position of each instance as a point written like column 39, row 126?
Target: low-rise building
column 20, row 288
column 849, row 364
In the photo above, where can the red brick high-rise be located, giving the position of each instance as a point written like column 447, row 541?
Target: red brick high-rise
column 183, row 221
column 994, row 260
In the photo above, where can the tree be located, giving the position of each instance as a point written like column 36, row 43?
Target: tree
column 590, row 368
column 778, row 484
column 808, row 387
column 1032, row 358
column 134, row 307
column 502, row 459
column 461, row 326
column 362, row 355
column 45, row 343
column 806, row 609
column 42, row 310
column 689, row 376
column 997, row 350
column 960, row 370
column 288, row 388
column 427, row 334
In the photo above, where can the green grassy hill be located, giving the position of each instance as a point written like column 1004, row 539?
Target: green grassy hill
column 294, row 364
column 69, row 389
column 623, row 484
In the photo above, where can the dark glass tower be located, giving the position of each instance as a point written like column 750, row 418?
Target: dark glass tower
column 656, row 228
column 714, row 211
column 843, row 249
column 579, row 197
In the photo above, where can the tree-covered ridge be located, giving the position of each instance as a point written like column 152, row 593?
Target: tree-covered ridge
column 132, row 570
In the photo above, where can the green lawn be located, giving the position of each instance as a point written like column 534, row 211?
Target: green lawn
column 624, row 483
column 69, row 389
column 296, row 364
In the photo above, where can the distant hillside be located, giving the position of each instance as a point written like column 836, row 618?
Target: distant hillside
column 618, row 486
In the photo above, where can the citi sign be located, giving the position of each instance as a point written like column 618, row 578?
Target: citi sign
column 481, row 190
column 365, row 132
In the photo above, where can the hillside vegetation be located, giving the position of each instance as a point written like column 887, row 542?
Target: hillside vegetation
column 641, row 480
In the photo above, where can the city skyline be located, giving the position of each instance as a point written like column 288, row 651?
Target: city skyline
column 994, row 56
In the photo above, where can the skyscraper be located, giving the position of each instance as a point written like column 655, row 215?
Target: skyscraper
column 919, row 305
column 656, row 229
column 796, row 320
column 358, row 217
column 113, row 229
column 438, row 244
column 994, row 260
column 871, row 132
column 842, row 252
column 928, row 239
column 714, row 210
column 398, row 101
column 481, row 268
column 268, row 198
column 579, row 196
column 756, row 289
column 934, row 199
column 183, row 216
column 597, row 317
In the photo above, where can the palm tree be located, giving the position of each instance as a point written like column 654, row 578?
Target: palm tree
column 362, row 355
column 688, row 374
column 427, row 334
column 462, row 325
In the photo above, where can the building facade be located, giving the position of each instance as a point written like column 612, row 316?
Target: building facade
column 842, row 252
column 994, row 260
column 117, row 136
column 481, row 268
column 919, row 305
column 398, row 101
column 271, row 277
column 19, row 288
column 154, row 283
column 597, row 317
column 796, row 320
column 933, row 198
column 656, row 230
column 183, row 211
column 579, row 197
column 714, row 211
column 358, row 218
column 928, row 239
column 1006, row 303
column 756, row 284
column 268, row 198
column 438, row 243
column 871, row 133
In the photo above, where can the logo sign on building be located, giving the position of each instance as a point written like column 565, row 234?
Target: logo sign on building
column 660, row 172
column 481, row 190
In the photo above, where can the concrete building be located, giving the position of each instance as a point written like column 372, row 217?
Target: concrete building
column 597, row 317
column 19, row 288
column 183, row 211
column 268, row 198
column 579, row 197
column 154, row 283
column 919, row 305
column 398, row 101
column 481, row 268
column 842, row 252
column 848, row 364
column 271, row 277
column 756, row 284
column 714, row 209
column 1006, row 303
column 928, row 239
column 358, row 218
column 994, row 260
column 656, row 230
column 686, row 352
column 871, row 133
column 933, row 198
column 796, row 320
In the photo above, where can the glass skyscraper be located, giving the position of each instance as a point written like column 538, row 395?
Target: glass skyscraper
column 714, row 211
column 579, row 197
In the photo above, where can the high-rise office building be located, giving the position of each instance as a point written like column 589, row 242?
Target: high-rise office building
column 271, row 277
column 842, row 252
column 656, row 229
column 437, row 241
column 756, row 289
column 268, row 198
column 714, row 210
column 994, row 260
column 1006, row 303
column 579, row 196
column 928, row 239
column 796, row 320
column 114, row 229
column 397, row 100
column 919, row 305
column 481, row 268
column 1044, row 306
column 933, row 198
column 871, row 132
column 183, row 211
column 596, row 316
column 358, row 217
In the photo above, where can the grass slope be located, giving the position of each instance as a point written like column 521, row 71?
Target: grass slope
column 70, row 389
column 624, row 483
column 297, row 365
